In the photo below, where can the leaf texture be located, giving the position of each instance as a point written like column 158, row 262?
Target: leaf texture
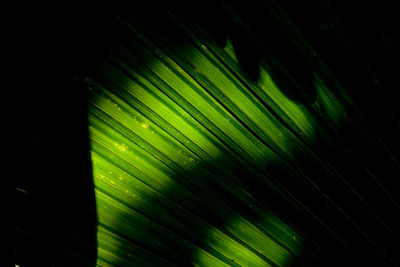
column 270, row 142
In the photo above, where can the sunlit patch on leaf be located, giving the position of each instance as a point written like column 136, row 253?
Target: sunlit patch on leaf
column 328, row 103
column 254, row 247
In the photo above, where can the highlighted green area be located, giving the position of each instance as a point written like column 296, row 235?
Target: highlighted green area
column 167, row 132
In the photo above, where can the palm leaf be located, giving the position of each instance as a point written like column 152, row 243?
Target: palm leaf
column 197, row 162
